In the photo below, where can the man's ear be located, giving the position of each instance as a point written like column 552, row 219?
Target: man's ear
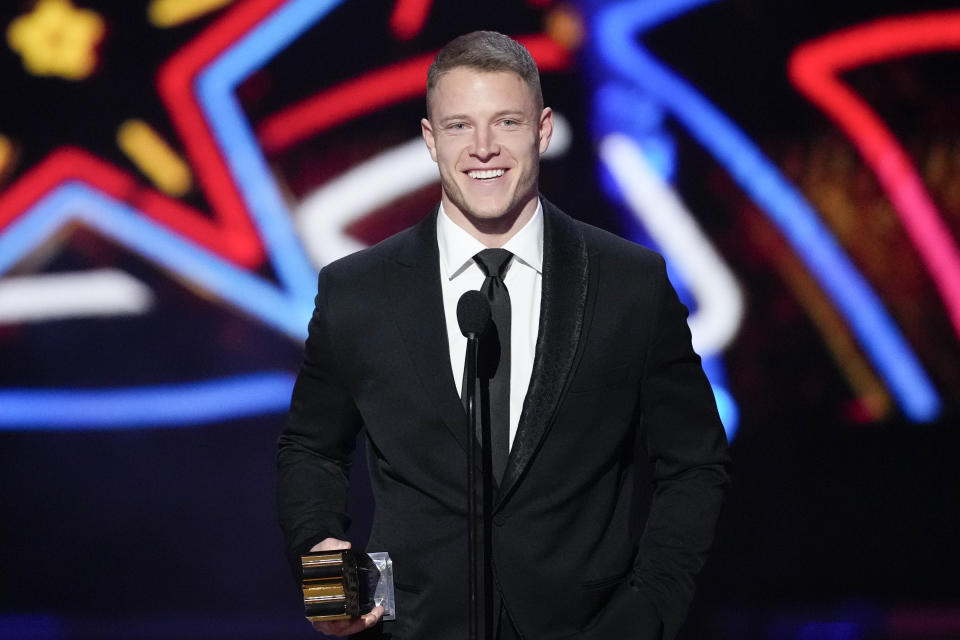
column 427, row 131
column 545, row 129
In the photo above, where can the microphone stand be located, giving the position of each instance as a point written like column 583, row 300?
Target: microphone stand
column 486, row 554
column 472, row 549
column 480, row 610
column 473, row 315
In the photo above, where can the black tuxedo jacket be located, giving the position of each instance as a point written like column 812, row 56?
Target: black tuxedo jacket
column 613, row 364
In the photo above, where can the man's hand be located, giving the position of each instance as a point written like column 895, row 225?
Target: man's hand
column 344, row 627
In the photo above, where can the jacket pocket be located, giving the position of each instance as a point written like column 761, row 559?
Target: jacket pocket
column 595, row 594
column 628, row 615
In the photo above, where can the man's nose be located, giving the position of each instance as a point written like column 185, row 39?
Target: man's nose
column 485, row 143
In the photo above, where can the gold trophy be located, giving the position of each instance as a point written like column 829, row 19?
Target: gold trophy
column 339, row 585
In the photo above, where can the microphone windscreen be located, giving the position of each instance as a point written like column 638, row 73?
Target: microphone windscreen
column 473, row 312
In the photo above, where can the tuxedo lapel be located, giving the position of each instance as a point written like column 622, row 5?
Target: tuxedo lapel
column 413, row 282
column 563, row 300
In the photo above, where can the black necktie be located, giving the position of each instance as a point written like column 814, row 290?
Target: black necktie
column 494, row 361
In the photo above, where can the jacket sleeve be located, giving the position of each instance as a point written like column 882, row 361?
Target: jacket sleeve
column 315, row 448
column 687, row 447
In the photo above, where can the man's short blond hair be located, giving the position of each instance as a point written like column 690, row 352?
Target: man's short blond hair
column 486, row 51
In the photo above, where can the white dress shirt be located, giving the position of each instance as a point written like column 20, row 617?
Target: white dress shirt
column 460, row 273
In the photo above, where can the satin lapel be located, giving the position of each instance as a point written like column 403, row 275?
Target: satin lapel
column 562, row 303
column 417, row 304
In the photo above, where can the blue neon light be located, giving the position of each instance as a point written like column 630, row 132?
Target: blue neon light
column 125, row 225
column 615, row 30
column 150, row 406
column 728, row 410
column 630, row 111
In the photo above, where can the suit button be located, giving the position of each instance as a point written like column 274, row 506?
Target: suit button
column 499, row 519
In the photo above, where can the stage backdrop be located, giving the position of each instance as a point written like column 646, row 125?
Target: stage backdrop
column 173, row 174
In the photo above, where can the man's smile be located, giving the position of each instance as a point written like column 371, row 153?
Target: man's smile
column 485, row 174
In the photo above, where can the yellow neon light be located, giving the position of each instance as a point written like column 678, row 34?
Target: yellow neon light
column 170, row 13
column 835, row 333
column 854, row 366
column 6, row 154
column 154, row 157
column 564, row 25
column 57, row 39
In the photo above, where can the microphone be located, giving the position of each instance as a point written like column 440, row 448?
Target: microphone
column 473, row 313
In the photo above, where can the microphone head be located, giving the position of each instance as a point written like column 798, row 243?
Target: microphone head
column 473, row 313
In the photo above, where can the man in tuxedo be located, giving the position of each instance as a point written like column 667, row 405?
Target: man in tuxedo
column 595, row 359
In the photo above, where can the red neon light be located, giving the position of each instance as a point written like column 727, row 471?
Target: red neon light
column 63, row 164
column 351, row 99
column 408, row 18
column 376, row 90
column 815, row 69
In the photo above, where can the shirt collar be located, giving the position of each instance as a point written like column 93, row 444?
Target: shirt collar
column 457, row 247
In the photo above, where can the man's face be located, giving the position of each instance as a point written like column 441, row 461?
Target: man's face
column 486, row 135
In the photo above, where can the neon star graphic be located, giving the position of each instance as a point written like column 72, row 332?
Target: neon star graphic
column 250, row 218
column 57, row 39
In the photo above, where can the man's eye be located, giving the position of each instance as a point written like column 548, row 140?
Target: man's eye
column 509, row 123
column 458, row 125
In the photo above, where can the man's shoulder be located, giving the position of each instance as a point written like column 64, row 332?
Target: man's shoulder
column 395, row 248
column 610, row 243
column 605, row 243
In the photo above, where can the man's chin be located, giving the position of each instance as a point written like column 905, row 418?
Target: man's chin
column 492, row 211
column 489, row 215
column 492, row 220
column 486, row 216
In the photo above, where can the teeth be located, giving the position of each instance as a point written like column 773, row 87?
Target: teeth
column 485, row 175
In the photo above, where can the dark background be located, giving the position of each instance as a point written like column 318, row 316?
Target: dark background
column 841, row 523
